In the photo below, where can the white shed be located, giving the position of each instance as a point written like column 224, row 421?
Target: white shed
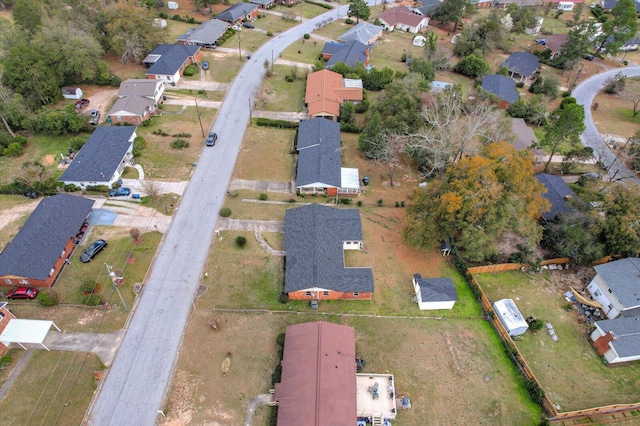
column 434, row 293
column 510, row 316
column 419, row 41
column 72, row 92
column 172, row 5
column 565, row 5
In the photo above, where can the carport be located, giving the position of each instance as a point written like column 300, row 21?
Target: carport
column 26, row 331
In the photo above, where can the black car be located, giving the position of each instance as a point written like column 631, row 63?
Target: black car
column 248, row 25
column 211, row 140
column 93, row 249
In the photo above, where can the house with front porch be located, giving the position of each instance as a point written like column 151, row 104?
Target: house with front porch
column 616, row 287
column 138, row 100
column 239, row 13
column 102, row 159
column 315, row 239
column 404, row 19
column 167, row 61
column 522, row 66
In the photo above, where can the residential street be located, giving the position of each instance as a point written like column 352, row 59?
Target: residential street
column 136, row 386
column 584, row 94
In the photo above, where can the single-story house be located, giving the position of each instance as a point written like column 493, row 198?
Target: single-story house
column 553, row 43
column 315, row 238
column 326, row 91
column 288, row 2
column 523, row 134
column 206, row 35
column 628, row 46
column 238, row 13
column 167, row 61
column 427, row 7
column 403, row 19
column 502, row 87
column 615, row 287
column 102, row 159
column 521, row 65
column 509, row 315
column 72, row 92
column 434, row 293
column 617, row 340
column 351, row 53
column 263, row 4
column 39, row 251
column 137, row 100
column 363, row 32
column 558, row 194
column 318, row 381
column 319, row 159
column 5, row 316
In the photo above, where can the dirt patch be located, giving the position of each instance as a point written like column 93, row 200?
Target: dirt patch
column 100, row 98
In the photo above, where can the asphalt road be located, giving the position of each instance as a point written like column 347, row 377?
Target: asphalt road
column 584, row 94
column 136, row 385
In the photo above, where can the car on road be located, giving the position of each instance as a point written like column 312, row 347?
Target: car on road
column 248, row 25
column 92, row 250
column 205, row 65
column 120, row 192
column 22, row 293
column 211, row 140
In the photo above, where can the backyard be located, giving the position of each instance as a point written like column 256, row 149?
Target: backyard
column 570, row 371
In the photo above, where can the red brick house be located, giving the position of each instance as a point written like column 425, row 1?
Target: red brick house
column 315, row 238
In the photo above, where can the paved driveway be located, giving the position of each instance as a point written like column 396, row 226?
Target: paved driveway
column 102, row 217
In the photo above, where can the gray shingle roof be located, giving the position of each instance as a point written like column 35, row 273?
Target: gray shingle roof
column 138, row 86
column 207, row 33
column 501, row 86
column 172, row 57
column 319, row 156
column 523, row 63
column 557, row 193
column 313, row 240
column 436, row 289
column 351, row 53
column 236, row 12
column 627, row 333
column 362, row 32
column 39, row 243
column 623, row 278
column 427, row 7
column 610, row 4
column 133, row 104
column 100, row 157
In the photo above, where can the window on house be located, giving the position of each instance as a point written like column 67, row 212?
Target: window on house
column 610, row 306
column 356, row 294
column 1, row 316
column 307, row 293
column 325, row 293
column 7, row 281
column 63, row 252
column 51, row 271
column 597, row 293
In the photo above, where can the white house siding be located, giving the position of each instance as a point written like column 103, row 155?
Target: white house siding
column 601, row 292
column 352, row 245
column 426, row 306
column 169, row 78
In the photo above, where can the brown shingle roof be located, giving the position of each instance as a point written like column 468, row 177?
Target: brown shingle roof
column 400, row 15
column 318, row 385
column 326, row 92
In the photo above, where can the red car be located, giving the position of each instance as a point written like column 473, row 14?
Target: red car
column 22, row 293
column 81, row 104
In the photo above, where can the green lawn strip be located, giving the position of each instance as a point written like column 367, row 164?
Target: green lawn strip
column 265, row 154
column 274, row 239
column 55, row 388
column 190, row 94
column 333, row 30
column 224, row 69
column 250, row 41
column 566, row 368
column 309, row 10
column 261, row 211
column 275, row 24
column 15, row 354
column 130, row 173
column 165, row 203
column 177, row 28
column 284, row 96
column 306, row 51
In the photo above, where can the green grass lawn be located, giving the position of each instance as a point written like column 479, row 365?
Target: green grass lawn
column 253, row 211
column 282, row 95
column 333, row 30
column 275, row 24
column 570, row 371
column 265, row 154
column 208, row 95
column 249, row 40
column 223, row 69
column 55, row 388
column 306, row 51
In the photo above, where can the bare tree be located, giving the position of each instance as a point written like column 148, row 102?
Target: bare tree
column 391, row 154
column 134, row 233
column 152, row 188
column 31, row 173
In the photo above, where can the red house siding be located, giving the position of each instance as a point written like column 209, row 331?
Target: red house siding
column 333, row 295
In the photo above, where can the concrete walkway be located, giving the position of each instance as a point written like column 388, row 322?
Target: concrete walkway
column 294, row 64
column 280, row 115
column 201, row 85
column 250, row 225
column 103, row 345
column 266, row 247
column 260, row 185
column 262, row 399
column 17, row 369
column 140, row 170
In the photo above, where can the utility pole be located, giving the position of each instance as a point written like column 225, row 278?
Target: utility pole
column 239, row 49
column 250, row 111
column 272, row 62
column 199, row 119
column 112, row 275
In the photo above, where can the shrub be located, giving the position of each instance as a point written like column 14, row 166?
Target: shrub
column 263, row 197
column 93, row 300
column 289, row 78
column 380, row 202
column 138, row 145
column 520, row 84
column 397, row 203
column 345, row 200
column 189, row 70
column 292, row 200
column 280, row 338
column 359, row 203
column 88, row 286
column 182, row 135
column 281, row 124
column 269, row 33
column 5, row 360
column 349, row 128
column 306, row 36
column 362, row 106
column 536, row 325
column 163, row 15
column 233, row 194
column 47, row 297
column 284, row 298
column 241, row 241
column 179, row 144
column 348, row 21
column 97, row 188
column 225, row 212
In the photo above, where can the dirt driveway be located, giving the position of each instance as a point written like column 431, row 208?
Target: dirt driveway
column 101, row 98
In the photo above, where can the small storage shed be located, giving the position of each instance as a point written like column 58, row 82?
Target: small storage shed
column 510, row 316
column 172, row 5
column 434, row 293
column 72, row 92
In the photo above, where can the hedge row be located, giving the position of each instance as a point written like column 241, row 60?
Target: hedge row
column 281, row 124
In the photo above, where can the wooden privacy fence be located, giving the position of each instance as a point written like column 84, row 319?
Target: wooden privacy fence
column 502, row 267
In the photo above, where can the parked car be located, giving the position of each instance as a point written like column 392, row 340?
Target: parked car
column 95, row 116
column 211, row 140
column 22, row 293
column 120, row 192
column 589, row 57
column 248, row 25
column 92, row 250
column 81, row 104
column 205, row 65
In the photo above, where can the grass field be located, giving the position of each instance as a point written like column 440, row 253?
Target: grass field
column 223, row 66
column 265, row 154
column 570, row 371
column 306, row 51
column 277, row 94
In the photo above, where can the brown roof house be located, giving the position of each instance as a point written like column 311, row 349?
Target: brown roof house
column 137, row 100
column 403, row 19
column 319, row 384
column 553, row 43
column 36, row 255
column 327, row 91
column 315, row 238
